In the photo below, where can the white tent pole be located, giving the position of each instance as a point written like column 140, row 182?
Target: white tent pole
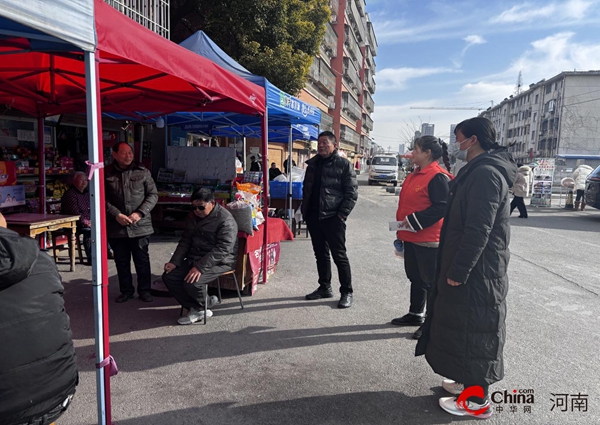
column 93, row 149
column 244, row 154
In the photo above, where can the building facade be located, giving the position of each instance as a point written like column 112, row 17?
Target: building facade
column 341, row 81
column 153, row 14
column 558, row 116
column 427, row 129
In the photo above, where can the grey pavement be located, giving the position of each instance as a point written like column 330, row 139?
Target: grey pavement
column 285, row 360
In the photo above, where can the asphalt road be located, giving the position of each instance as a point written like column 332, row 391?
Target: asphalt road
column 284, row 360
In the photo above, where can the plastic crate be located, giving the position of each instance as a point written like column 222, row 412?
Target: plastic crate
column 279, row 190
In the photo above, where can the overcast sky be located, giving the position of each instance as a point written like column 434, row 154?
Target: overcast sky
column 469, row 53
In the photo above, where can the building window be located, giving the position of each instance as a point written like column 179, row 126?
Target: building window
column 533, row 135
column 534, row 116
column 537, row 97
column 548, row 88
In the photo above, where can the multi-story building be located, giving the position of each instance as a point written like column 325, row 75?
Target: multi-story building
column 153, row 14
column 558, row 116
column 427, row 129
column 341, row 79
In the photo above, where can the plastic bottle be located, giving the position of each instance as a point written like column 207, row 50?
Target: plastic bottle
column 399, row 248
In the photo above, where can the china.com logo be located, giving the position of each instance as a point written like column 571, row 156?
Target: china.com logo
column 522, row 396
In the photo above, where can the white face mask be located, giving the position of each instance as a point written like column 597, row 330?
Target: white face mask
column 461, row 154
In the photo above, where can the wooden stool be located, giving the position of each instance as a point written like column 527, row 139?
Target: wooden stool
column 55, row 235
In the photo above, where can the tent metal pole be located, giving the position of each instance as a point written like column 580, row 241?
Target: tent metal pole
column 265, row 148
column 99, row 251
column 290, row 164
column 42, row 174
column 244, row 154
column 166, row 140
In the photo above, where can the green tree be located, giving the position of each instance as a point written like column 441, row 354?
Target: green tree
column 276, row 39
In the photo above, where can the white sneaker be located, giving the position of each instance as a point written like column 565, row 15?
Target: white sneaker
column 194, row 316
column 469, row 408
column 452, row 387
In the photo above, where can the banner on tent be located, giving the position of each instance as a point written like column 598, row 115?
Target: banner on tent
column 290, row 102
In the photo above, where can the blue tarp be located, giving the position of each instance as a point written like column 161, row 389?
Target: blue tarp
column 284, row 109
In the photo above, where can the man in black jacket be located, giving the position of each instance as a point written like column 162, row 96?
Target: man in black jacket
column 329, row 195
column 206, row 250
column 130, row 197
column 38, row 366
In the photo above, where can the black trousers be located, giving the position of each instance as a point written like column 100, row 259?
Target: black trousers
column 479, row 400
column 124, row 249
column 579, row 196
column 518, row 202
column 329, row 236
column 419, row 264
column 87, row 240
column 189, row 295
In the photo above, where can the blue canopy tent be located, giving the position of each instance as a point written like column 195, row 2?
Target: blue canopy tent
column 283, row 109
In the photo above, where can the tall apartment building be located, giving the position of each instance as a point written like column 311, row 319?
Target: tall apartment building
column 427, row 129
column 153, row 14
column 557, row 116
column 341, row 81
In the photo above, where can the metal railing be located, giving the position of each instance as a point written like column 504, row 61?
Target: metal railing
column 153, row 14
column 326, row 122
column 357, row 22
column 322, row 76
column 350, row 106
column 367, row 122
column 335, row 9
column 361, row 6
column 371, row 40
column 330, row 41
column 352, row 45
column 348, row 135
column 369, row 81
column 351, row 75
column 368, row 102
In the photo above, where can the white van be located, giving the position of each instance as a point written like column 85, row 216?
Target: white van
column 384, row 168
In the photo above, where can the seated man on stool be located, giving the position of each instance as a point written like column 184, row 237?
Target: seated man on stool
column 76, row 201
column 206, row 250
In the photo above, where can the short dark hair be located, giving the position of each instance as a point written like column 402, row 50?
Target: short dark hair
column 329, row 135
column 117, row 146
column 252, row 157
column 203, row 194
column 272, row 163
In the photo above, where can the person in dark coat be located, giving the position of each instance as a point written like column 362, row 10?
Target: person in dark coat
column 286, row 162
column 329, row 194
column 254, row 164
column 464, row 334
column 38, row 366
column 207, row 249
column 274, row 171
column 130, row 197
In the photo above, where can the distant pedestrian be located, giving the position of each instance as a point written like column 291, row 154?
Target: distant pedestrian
column 580, row 175
column 329, row 195
column 274, row 171
column 286, row 163
column 520, row 189
column 464, row 334
column 254, row 164
column 421, row 206
column 357, row 166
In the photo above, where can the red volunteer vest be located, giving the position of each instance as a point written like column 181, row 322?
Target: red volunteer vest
column 414, row 197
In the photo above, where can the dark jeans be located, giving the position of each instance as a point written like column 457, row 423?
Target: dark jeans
column 330, row 235
column 189, row 295
column 124, row 249
column 87, row 240
column 517, row 202
column 580, row 194
column 419, row 264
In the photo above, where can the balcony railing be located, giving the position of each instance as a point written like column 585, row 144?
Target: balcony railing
column 348, row 135
column 357, row 22
column 371, row 40
column 322, row 76
column 369, row 81
column 367, row 122
column 361, row 6
column 330, row 42
column 368, row 102
column 351, row 75
column 153, row 14
column 369, row 57
column 335, row 9
column 326, row 122
column 352, row 45
column 350, row 106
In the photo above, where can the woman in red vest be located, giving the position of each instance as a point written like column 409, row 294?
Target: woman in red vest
column 421, row 206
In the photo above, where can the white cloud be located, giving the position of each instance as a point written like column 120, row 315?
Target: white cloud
column 528, row 12
column 396, row 78
column 472, row 40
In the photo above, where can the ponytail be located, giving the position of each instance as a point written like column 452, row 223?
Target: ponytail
column 445, row 155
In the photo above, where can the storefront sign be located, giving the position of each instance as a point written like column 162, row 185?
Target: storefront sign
column 11, row 196
column 273, row 250
column 543, row 176
column 290, row 102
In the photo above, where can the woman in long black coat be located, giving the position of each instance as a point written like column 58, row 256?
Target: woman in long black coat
column 464, row 333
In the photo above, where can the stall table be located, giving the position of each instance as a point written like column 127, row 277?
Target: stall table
column 33, row 225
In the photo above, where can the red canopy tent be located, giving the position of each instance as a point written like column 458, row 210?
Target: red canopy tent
column 132, row 70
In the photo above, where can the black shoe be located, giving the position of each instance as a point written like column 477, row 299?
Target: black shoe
column 408, row 320
column 345, row 301
column 418, row 333
column 124, row 298
column 146, row 297
column 320, row 293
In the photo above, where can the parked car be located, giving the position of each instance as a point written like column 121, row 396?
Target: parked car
column 592, row 189
column 384, row 168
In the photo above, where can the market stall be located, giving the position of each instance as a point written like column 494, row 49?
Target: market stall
column 44, row 75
